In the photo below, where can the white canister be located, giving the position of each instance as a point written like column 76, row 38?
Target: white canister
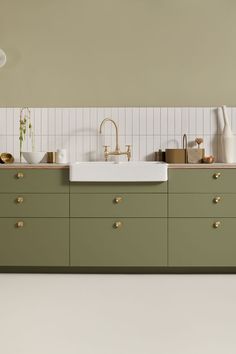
column 61, row 156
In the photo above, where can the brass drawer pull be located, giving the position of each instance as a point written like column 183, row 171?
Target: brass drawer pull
column 216, row 175
column 216, row 224
column 19, row 200
column 216, row 200
column 19, row 175
column 118, row 225
column 118, row 200
column 20, row 224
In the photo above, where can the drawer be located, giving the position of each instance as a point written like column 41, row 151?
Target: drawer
column 34, row 205
column 202, row 181
column 34, row 181
column 138, row 242
column 130, row 187
column 40, row 242
column 118, row 205
column 195, row 242
column 202, row 205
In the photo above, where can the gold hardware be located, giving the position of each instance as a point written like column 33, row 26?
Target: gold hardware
column 19, row 200
column 118, row 200
column 117, row 151
column 216, row 175
column 19, row 175
column 20, row 224
column 118, row 225
column 216, row 224
column 216, row 200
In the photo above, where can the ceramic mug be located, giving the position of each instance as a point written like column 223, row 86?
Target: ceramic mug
column 61, row 156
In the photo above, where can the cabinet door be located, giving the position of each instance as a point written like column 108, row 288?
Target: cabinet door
column 27, row 180
column 118, row 205
column 136, row 242
column 202, row 181
column 38, row 242
column 196, row 242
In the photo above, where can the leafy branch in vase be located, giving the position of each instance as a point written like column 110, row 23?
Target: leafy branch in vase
column 25, row 127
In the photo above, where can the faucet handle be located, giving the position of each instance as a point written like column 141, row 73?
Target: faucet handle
column 128, row 151
column 128, row 147
column 106, row 147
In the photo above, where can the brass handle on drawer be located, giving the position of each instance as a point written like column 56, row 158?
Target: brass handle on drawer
column 118, row 225
column 118, row 200
column 20, row 224
column 216, row 200
column 19, row 175
column 19, row 200
column 216, row 224
column 216, row 175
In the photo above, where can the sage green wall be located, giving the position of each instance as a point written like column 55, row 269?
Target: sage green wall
column 118, row 52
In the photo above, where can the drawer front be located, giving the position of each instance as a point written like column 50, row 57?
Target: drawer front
column 138, row 242
column 34, row 181
column 203, row 205
column 132, row 187
column 195, row 242
column 34, row 205
column 40, row 242
column 118, row 205
column 202, row 181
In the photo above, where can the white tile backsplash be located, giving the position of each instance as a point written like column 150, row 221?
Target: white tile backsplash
column 147, row 129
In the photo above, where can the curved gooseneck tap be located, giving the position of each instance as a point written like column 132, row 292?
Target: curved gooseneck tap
column 116, row 128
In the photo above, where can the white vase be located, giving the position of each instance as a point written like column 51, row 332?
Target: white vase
column 227, row 139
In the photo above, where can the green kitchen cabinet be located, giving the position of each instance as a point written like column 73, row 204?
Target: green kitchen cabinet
column 194, row 242
column 202, row 180
column 118, row 205
column 101, row 242
column 34, row 242
column 27, row 180
column 202, row 205
column 34, row 205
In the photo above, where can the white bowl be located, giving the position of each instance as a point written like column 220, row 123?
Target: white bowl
column 33, row 157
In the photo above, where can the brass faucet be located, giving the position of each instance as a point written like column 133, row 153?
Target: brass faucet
column 117, row 148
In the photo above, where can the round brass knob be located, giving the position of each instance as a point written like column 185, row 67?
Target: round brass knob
column 118, row 225
column 216, row 224
column 19, row 200
column 19, row 175
column 118, row 200
column 216, row 175
column 20, row 224
column 216, row 200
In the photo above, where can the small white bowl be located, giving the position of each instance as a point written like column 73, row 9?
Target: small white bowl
column 33, row 157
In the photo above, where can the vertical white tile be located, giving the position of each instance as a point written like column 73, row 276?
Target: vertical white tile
column 207, row 120
column 150, row 121
column 122, row 121
column 150, row 148
column 157, row 121
column 86, row 117
column 178, row 121
column 171, row 121
column 214, row 120
column 143, row 121
column 37, row 121
column 142, row 148
column 79, row 121
column 51, row 121
column 16, row 121
column 60, row 127
column 10, row 121
column 135, row 121
column 129, row 121
column 184, row 121
column 164, row 121
column 192, row 121
column 135, row 149
column 199, row 122
column 156, row 143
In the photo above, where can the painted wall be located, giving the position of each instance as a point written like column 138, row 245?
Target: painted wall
column 118, row 53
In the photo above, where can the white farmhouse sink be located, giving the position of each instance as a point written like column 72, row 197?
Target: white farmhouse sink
column 118, row 172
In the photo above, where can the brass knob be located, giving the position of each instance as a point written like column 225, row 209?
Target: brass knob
column 216, row 200
column 19, row 224
column 118, row 200
column 216, row 224
column 19, row 175
column 216, row 175
column 19, row 200
column 118, row 225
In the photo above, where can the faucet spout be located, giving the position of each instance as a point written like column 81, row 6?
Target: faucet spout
column 116, row 128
